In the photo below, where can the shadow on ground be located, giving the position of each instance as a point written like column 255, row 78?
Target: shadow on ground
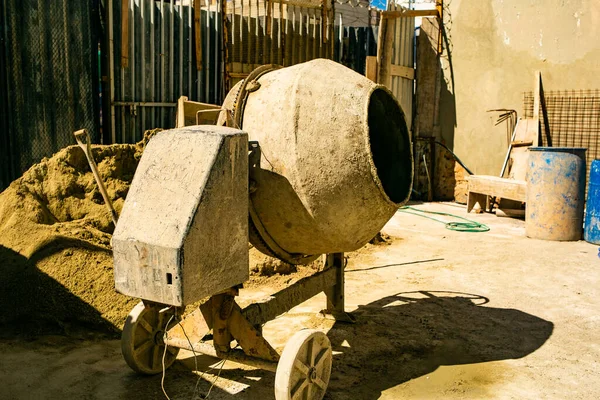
column 395, row 339
column 408, row 335
column 35, row 304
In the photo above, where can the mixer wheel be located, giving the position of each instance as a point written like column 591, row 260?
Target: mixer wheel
column 304, row 368
column 142, row 339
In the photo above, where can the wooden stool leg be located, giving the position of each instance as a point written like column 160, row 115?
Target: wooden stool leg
column 475, row 198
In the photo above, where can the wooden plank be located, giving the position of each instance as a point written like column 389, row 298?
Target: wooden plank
column 510, row 212
column 524, row 136
column 536, row 106
column 477, row 198
column 498, row 187
column 198, row 33
column 439, row 6
column 402, row 71
column 380, row 38
column 542, row 100
column 124, row 33
column 371, row 68
column 409, row 13
column 195, row 113
column 384, row 58
column 518, row 163
column 260, row 312
column 519, row 143
column 180, row 116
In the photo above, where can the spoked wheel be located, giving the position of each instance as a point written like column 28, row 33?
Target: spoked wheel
column 304, row 367
column 142, row 339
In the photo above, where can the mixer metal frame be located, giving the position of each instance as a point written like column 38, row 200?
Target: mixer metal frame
column 304, row 366
column 228, row 322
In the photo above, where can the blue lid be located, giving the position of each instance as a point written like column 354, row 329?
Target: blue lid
column 558, row 149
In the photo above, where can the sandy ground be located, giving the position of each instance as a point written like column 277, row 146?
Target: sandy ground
column 440, row 314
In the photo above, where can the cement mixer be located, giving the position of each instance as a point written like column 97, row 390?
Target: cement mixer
column 305, row 161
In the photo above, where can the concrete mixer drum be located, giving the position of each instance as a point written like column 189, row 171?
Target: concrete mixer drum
column 334, row 158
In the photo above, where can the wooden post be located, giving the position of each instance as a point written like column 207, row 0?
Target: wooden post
column 198, row 33
column 124, row 33
column 542, row 99
column 371, row 68
column 536, row 107
column 335, row 293
column 439, row 5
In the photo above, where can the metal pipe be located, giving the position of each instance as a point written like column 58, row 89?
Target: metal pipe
column 162, row 60
column 205, row 54
column 172, row 55
column 234, row 354
column 152, row 78
column 180, row 48
column 206, row 38
column 341, row 36
column 143, row 104
column 143, row 63
column 189, row 50
column 241, row 45
column 217, row 52
column 111, row 72
column 132, row 43
column 294, row 34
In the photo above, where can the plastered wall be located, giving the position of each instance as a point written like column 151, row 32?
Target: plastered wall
column 495, row 47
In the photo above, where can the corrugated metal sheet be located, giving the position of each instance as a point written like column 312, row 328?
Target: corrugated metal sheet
column 354, row 45
column 50, row 79
column 403, row 55
column 159, row 61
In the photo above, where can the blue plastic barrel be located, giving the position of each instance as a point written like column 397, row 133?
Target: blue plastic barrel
column 555, row 193
column 591, row 232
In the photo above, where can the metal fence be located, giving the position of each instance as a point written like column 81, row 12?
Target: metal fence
column 158, row 50
column 403, row 55
column 283, row 32
column 353, row 45
column 161, row 50
column 49, row 73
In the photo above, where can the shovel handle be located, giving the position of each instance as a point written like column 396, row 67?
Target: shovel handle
column 83, row 140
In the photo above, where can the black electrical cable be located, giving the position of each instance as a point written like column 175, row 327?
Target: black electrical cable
column 458, row 160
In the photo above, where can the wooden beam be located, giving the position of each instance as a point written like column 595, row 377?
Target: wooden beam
column 439, row 6
column 371, row 68
column 384, row 53
column 124, row 33
column 286, row 299
column 545, row 113
column 198, row 33
column 409, row 13
column 536, row 107
column 402, row 71
column 498, row 187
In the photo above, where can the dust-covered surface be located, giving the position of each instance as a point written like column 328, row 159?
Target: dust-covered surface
column 440, row 315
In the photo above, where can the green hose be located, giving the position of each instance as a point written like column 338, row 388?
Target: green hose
column 469, row 226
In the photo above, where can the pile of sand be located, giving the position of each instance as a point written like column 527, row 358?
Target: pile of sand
column 55, row 255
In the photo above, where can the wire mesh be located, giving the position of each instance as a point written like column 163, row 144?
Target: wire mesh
column 52, row 85
column 573, row 120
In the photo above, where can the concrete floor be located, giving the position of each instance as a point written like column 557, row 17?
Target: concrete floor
column 440, row 314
